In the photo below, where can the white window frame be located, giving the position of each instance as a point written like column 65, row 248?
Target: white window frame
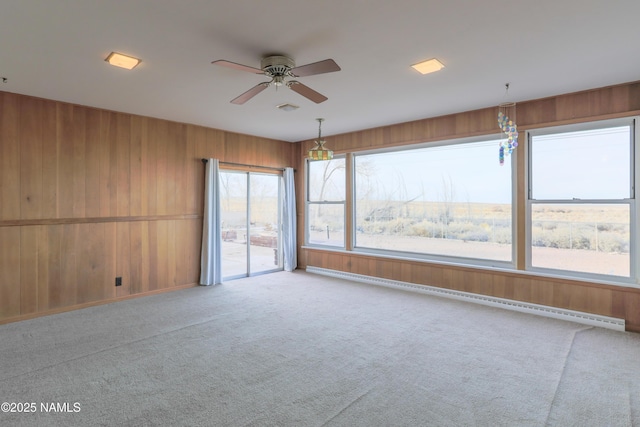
column 440, row 258
column 308, row 202
column 634, row 159
column 280, row 266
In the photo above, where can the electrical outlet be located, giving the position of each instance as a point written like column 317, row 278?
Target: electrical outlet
column 118, row 281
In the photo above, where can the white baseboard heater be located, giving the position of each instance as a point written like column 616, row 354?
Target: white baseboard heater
column 524, row 307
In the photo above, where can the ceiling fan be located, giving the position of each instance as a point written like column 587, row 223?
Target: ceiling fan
column 279, row 68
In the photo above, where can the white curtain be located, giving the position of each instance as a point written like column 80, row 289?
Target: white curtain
column 289, row 222
column 211, row 257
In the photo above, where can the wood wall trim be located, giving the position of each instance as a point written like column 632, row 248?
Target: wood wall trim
column 96, row 220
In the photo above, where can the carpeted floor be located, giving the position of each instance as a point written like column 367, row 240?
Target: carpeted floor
column 297, row 349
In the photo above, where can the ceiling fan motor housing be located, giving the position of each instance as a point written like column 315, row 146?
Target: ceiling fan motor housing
column 276, row 65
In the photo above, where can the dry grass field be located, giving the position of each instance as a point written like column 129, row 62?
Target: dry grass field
column 575, row 237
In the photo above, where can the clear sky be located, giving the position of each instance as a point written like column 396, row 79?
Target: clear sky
column 572, row 165
column 469, row 173
column 587, row 165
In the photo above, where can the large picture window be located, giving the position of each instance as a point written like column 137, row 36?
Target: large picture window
column 325, row 223
column 448, row 201
column 581, row 200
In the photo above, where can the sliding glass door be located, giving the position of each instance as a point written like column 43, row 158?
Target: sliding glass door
column 233, row 223
column 251, row 223
column 265, row 223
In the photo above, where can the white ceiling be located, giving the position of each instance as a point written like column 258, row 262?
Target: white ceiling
column 56, row 48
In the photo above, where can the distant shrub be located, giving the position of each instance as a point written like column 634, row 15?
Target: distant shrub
column 476, row 236
column 605, row 237
column 581, row 242
column 613, row 243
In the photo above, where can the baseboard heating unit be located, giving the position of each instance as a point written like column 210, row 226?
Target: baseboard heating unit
column 524, row 307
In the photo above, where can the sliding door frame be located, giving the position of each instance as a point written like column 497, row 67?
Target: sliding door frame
column 278, row 258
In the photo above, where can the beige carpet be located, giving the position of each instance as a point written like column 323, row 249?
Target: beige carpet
column 297, row 349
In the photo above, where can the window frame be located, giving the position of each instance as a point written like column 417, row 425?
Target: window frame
column 434, row 257
column 632, row 202
column 308, row 203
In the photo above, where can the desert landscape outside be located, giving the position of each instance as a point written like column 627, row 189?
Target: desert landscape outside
column 563, row 237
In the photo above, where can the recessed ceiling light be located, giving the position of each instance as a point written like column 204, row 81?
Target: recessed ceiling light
column 428, row 66
column 288, row 107
column 122, row 61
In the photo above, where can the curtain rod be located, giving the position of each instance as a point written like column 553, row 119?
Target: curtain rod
column 246, row 165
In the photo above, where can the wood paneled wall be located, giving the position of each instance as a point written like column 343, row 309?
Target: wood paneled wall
column 603, row 103
column 89, row 195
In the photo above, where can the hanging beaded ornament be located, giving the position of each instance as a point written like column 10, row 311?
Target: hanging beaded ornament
column 506, row 122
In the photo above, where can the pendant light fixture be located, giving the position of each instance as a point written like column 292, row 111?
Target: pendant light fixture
column 319, row 152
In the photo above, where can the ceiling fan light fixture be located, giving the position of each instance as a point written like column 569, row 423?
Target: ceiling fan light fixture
column 122, row 61
column 429, row 66
column 319, row 152
column 278, row 81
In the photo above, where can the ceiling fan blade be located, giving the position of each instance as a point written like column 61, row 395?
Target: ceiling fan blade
column 250, row 93
column 321, row 67
column 306, row 91
column 239, row 67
